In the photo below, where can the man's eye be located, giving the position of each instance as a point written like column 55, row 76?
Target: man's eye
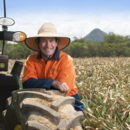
column 52, row 40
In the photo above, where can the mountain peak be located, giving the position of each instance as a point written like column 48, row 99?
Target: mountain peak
column 95, row 35
column 96, row 30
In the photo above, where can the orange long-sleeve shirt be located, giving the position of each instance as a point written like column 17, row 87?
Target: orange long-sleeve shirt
column 61, row 70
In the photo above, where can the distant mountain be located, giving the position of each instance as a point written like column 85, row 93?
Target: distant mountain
column 95, row 35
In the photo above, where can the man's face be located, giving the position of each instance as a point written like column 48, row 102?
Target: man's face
column 48, row 45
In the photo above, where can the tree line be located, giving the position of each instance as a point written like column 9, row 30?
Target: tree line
column 16, row 51
column 113, row 46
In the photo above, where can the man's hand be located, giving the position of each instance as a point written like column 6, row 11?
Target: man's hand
column 63, row 87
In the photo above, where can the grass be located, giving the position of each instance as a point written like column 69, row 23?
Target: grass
column 104, row 89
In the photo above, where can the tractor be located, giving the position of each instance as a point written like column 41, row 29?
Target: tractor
column 31, row 109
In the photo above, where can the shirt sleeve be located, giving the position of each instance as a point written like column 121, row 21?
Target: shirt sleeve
column 29, row 70
column 30, row 78
column 66, row 73
column 38, row 83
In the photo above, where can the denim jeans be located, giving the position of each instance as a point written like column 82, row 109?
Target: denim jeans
column 78, row 105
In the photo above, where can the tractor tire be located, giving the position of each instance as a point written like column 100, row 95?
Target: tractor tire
column 38, row 109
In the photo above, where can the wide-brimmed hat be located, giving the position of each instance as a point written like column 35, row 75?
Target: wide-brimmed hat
column 47, row 30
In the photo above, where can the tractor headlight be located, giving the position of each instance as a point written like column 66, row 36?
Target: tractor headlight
column 6, row 21
column 19, row 37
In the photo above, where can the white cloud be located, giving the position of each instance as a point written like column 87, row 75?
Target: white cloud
column 72, row 25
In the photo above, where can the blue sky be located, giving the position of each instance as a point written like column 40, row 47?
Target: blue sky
column 70, row 17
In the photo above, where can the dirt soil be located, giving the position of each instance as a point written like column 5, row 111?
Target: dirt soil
column 46, row 121
column 45, row 102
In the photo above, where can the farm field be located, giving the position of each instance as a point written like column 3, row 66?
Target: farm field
column 104, row 88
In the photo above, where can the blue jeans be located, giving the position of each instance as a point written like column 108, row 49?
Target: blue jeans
column 78, row 105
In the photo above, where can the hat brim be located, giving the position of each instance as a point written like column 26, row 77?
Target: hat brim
column 31, row 41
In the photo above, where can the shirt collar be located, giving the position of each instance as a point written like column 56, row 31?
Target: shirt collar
column 55, row 56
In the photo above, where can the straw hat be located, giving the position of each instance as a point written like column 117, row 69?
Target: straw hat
column 47, row 30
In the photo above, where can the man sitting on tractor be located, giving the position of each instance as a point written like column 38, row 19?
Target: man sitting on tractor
column 50, row 68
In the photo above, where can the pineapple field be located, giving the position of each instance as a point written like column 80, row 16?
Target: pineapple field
column 104, row 89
